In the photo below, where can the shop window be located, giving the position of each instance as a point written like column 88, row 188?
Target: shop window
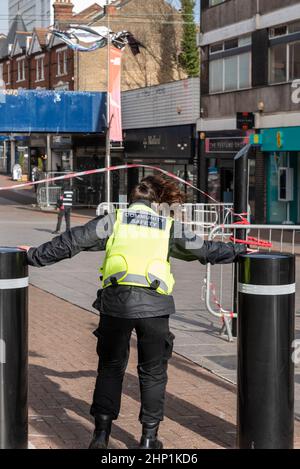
column 244, row 71
column 230, row 73
column 215, row 48
column 294, row 57
column 213, row 3
column 278, row 63
column 285, row 57
column 285, row 62
column 278, row 31
column 284, row 30
column 216, row 76
column 231, row 44
column 294, row 27
column 281, row 206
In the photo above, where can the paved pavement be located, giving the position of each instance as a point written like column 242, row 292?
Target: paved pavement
column 200, row 407
column 75, row 281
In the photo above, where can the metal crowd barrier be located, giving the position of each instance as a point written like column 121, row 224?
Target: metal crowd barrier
column 86, row 191
column 199, row 217
column 218, row 290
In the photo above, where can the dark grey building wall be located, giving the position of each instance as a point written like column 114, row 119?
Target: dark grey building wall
column 277, row 98
column 266, row 6
column 227, row 13
column 233, row 11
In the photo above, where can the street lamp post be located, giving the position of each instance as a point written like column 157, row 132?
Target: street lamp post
column 119, row 40
column 108, row 148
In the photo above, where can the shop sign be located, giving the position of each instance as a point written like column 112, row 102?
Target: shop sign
column 167, row 143
column 280, row 139
column 37, row 142
column 225, row 144
column 59, row 141
column 256, row 139
column 245, row 120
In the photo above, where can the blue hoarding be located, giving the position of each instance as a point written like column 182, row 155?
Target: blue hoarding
column 52, row 111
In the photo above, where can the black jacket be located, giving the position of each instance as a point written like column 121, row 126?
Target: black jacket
column 127, row 301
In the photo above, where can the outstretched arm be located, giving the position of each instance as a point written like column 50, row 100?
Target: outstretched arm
column 187, row 246
column 90, row 237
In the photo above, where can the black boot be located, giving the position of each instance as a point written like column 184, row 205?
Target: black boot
column 149, row 437
column 102, row 432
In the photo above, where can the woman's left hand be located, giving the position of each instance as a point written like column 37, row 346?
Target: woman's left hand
column 24, row 248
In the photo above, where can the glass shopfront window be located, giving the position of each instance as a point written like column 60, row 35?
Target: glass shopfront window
column 279, row 211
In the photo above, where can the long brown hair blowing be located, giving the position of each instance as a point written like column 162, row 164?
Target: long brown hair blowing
column 158, row 189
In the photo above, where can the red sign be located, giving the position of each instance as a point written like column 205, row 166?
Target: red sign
column 245, row 120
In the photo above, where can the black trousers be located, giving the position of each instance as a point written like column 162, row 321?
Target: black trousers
column 155, row 345
column 64, row 213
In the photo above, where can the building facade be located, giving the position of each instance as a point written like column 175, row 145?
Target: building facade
column 159, row 125
column 250, row 83
column 34, row 60
column 36, row 14
column 157, row 25
column 40, row 13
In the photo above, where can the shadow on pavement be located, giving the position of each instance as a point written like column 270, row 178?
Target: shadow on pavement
column 44, row 230
column 179, row 410
column 52, row 407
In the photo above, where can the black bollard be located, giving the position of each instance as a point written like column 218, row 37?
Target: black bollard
column 13, row 349
column 266, row 323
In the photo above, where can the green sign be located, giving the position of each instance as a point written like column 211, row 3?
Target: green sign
column 281, row 139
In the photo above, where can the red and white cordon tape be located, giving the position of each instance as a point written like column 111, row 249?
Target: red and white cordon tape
column 104, row 170
column 217, row 302
column 250, row 241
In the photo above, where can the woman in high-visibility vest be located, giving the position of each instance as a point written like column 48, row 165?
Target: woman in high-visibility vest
column 137, row 295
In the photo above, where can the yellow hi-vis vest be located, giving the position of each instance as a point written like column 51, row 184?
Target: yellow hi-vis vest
column 137, row 251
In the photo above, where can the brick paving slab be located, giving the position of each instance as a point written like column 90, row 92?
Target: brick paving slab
column 200, row 407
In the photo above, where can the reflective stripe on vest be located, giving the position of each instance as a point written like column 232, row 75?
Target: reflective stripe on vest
column 137, row 251
column 138, row 280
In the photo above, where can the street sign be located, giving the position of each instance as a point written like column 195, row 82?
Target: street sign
column 256, row 139
column 245, row 120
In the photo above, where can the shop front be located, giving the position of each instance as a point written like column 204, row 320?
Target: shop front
column 281, row 147
column 172, row 148
column 44, row 128
column 218, row 150
column 61, row 153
